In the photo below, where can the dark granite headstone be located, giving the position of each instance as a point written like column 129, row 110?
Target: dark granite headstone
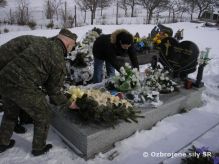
column 180, row 58
column 161, row 28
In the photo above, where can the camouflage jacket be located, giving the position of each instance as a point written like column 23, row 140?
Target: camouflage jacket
column 30, row 63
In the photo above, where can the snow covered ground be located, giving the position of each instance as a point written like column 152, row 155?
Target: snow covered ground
column 166, row 136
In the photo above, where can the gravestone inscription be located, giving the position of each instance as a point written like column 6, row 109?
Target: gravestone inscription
column 179, row 58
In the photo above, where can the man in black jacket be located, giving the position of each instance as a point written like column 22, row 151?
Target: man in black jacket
column 108, row 48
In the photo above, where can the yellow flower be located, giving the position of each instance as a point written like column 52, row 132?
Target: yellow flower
column 158, row 41
column 75, row 93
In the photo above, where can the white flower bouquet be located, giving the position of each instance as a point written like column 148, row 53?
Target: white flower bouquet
column 127, row 80
column 158, row 80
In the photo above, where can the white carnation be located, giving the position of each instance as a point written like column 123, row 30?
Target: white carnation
column 162, row 78
column 122, row 70
column 122, row 78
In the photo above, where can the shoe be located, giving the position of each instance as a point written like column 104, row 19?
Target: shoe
column 43, row 151
column 1, row 108
column 5, row 147
column 19, row 129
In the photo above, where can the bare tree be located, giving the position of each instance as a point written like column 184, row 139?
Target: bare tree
column 183, row 9
column 217, row 3
column 103, row 4
column 92, row 6
column 49, row 10
column 11, row 17
column 132, row 4
column 123, row 5
column 55, row 5
column 83, row 7
column 175, row 7
column 3, row 3
column 152, row 5
column 191, row 7
column 204, row 5
column 67, row 18
column 22, row 13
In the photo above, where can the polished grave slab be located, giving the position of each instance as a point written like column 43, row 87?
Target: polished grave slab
column 88, row 140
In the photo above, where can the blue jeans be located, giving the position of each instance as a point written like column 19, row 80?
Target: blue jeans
column 98, row 70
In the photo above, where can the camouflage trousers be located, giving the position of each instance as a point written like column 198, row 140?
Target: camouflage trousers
column 36, row 106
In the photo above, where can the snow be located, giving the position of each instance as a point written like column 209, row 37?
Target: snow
column 168, row 135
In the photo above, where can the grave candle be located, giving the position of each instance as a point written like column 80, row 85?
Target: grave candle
column 207, row 52
column 202, row 55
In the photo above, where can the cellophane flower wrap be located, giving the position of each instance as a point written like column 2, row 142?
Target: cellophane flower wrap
column 127, row 80
column 158, row 80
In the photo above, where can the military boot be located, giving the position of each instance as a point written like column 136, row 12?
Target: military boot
column 19, row 129
column 5, row 147
column 43, row 151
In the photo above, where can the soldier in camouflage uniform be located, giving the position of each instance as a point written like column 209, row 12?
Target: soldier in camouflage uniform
column 12, row 52
column 33, row 63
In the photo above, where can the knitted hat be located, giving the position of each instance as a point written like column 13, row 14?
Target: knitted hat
column 68, row 33
column 125, row 38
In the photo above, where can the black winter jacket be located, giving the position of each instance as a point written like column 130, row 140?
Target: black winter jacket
column 108, row 48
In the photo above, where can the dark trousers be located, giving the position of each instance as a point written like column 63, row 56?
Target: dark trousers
column 98, row 70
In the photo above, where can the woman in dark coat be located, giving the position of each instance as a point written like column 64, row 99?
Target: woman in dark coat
column 108, row 48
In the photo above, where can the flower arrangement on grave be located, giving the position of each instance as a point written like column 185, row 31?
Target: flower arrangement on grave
column 80, row 62
column 158, row 80
column 141, row 44
column 127, row 80
column 143, row 97
column 200, row 156
column 100, row 106
column 158, row 37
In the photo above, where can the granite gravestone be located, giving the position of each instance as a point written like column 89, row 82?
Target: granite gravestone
column 179, row 58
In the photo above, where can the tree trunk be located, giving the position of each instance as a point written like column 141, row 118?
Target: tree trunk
column 199, row 14
column 126, row 13
column 147, row 18
column 75, row 16
column 117, row 13
column 57, row 15
column 169, row 16
column 92, row 17
column 150, row 16
column 85, row 16
column 65, row 16
column 173, row 18
column 101, row 12
column 132, row 8
column 191, row 16
column 132, row 11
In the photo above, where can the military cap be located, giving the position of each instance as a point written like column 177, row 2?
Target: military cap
column 68, row 33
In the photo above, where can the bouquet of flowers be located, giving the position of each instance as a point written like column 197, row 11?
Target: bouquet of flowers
column 141, row 44
column 80, row 62
column 158, row 37
column 100, row 106
column 127, row 80
column 200, row 156
column 158, row 80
